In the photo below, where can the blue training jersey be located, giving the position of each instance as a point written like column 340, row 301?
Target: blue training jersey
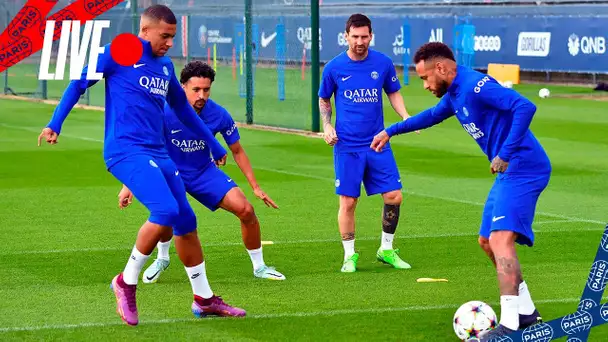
column 134, row 105
column 189, row 152
column 498, row 118
column 357, row 88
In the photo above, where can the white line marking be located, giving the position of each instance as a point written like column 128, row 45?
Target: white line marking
column 267, row 316
column 287, row 242
column 552, row 221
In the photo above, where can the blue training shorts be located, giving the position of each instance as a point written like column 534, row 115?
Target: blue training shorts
column 377, row 170
column 511, row 205
column 156, row 183
column 210, row 187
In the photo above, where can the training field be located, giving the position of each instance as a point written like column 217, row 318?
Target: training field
column 65, row 238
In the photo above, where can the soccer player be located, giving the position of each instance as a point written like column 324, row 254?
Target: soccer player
column 356, row 78
column 203, row 179
column 135, row 153
column 498, row 119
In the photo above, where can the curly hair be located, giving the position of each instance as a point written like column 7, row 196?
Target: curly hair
column 433, row 50
column 197, row 69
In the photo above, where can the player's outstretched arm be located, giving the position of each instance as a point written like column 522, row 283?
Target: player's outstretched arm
column 70, row 97
column 176, row 98
column 494, row 95
column 231, row 135
column 398, row 105
column 426, row 119
column 242, row 160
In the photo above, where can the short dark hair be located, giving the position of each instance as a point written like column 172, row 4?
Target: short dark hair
column 160, row 13
column 358, row 20
column 433, row 50
column 197, row 69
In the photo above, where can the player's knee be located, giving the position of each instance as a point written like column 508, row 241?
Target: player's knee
column 185, row 223
column 393, row 198
column 245, row 212
column 502, row 239
column 348, row 204
column 165, row 214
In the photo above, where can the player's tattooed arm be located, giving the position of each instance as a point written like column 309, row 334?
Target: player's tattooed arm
column 329, row 133
column 348, row 236
column 509, row 275
column 325, row 110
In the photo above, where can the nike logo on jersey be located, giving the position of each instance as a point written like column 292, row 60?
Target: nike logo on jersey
column 138, row 65
column 177, row 173
column 229, row 180
column 345, row 78
column 175, row 131
column 494, row 219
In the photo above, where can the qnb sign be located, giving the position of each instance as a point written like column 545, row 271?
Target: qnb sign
column 487, row 43
column 586, row 45
column 533, row 44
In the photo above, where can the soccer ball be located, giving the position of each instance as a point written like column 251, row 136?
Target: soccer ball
column 473, row 318
column 544, row 93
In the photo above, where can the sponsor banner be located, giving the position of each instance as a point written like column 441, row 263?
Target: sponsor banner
column 547, row 43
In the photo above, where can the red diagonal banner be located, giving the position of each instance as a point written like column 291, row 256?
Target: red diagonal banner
column 25, row 33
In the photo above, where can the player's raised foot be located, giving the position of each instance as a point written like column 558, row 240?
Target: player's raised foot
column 529, row 320
column 268, row 272
column 214, row 306
column 152, row 273
column 391, row 257
column 495, row 333
column 350, row 264
column 126, row 306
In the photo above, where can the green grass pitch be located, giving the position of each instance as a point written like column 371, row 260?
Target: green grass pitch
column 64, row 237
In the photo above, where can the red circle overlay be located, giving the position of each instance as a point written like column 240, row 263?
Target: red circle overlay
column 126, row 49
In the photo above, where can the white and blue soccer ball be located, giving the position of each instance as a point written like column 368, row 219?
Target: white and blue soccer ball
column 544, row 93
column 472, row 319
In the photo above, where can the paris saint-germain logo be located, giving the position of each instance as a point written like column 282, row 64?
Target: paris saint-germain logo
column 586, row 304
column 165, row 70
column 538, row 333
column 598, row 276
column 374, row 75
column 574, row 339
column 577, row 322
column 604, row 312
column 604, row 242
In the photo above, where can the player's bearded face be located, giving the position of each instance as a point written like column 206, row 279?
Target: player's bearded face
column 359, row 39
column 434, row 77
column 197, row 91
column 160, row 35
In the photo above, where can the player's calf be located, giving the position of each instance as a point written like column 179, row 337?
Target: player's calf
column 509, row 276
column 390, row 221
column 346, row 223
